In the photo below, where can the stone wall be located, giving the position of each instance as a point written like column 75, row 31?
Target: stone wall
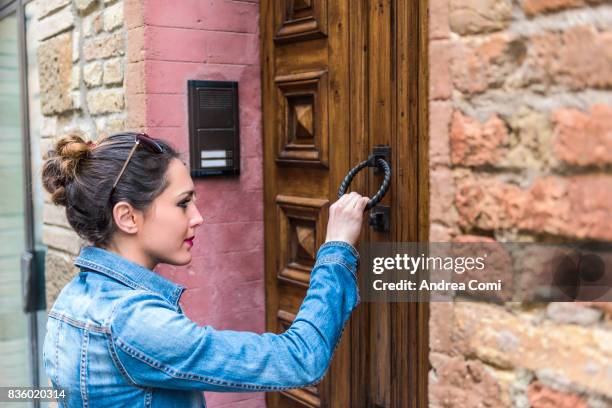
column 81, row 61
column 521, row 150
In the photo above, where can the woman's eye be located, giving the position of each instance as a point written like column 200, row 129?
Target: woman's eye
column 184, row 204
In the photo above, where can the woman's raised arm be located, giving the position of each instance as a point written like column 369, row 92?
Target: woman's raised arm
column 153, row 345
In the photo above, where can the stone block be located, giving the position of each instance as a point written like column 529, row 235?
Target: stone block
column 105, row 101
column 92, row 74
column 55, row 72
column 113, row 71
column 475, row 17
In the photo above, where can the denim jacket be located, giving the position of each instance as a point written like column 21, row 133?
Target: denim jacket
column 117, row 337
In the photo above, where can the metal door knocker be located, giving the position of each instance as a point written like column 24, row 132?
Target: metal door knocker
column 379, row 216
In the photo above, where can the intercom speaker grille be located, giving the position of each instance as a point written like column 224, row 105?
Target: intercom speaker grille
column 215, row 98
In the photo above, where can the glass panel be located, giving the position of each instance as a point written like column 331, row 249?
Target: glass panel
column 14, row 345
column 32, row 24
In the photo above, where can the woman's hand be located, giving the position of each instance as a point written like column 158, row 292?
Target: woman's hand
column 345, row 218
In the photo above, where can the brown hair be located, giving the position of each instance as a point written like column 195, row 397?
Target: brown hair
column 79, row 175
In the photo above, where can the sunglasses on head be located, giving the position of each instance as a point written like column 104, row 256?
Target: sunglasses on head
column 145, row 140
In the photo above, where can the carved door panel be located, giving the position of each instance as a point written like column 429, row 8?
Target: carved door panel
column 334, row 85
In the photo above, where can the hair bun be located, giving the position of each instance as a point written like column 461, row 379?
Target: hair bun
column 61, row 164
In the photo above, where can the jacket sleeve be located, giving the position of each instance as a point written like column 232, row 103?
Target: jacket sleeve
column 157, row 346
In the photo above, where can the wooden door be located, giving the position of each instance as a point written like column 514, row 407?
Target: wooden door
column 339, row 77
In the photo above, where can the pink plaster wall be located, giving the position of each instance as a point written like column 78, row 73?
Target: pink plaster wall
column 168, row 43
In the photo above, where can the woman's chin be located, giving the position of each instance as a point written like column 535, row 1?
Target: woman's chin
column 183, row 258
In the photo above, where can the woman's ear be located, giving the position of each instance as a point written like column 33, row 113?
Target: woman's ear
column 126, row 217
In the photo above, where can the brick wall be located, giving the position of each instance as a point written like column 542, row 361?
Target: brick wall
column 212, row 40
column 521, row 150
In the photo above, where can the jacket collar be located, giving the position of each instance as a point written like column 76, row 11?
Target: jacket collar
column 129, row 273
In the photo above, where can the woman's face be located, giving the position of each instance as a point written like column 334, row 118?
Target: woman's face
column 169, row 225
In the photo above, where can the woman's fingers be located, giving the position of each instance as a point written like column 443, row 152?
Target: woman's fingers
column 352, row 200
column 361, row 203
column 346, row 217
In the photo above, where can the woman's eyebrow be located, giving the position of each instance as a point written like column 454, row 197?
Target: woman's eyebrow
column 189, row 193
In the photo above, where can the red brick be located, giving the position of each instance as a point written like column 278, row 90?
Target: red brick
column 223, row 267
column 441, row 233
column 461, row 383
column 441, row 327
column 438, row 19
column 177, row 136
column 246, row 265
column 440, row 84
column 439, row 124
column 442, row 185
column 474, row 143
column 251, row 141
column 517, row 338
column 232, row 48
column 219, row 185
column 584, row 138
column 236, row 400
column 251, row 173
column 473, row 17
column 590, row 198
column 489, row 203
column 136, row 110
column 166, row 110
column 245, row 297
column 216, row 15
column 136, row 44
column 161, row 43
column 574, row 206
column 213, row 305
column 250, row 96
column 478, row 64
column 133, row 13
column 498, row 265
column 257, row 401
column 533, row 7
column 172, row 76
column 549, row 206
column 541, row 396
column 228, row 238
column 228, row 302
column 135, row 78
column 587, row 54
column 231, row 206
column 577, row 58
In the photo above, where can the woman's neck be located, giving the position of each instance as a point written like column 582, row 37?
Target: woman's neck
column 132, row 253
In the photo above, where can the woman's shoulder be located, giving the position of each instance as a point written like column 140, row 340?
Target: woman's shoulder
column 89, row 298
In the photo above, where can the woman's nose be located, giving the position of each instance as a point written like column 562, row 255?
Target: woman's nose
column 197, row 219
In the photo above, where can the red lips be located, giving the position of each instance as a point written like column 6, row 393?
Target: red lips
column 189, row 241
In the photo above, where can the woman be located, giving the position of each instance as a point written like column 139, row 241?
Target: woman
column 116, row 335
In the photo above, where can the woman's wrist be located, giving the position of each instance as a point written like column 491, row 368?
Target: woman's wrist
column 342, row 243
